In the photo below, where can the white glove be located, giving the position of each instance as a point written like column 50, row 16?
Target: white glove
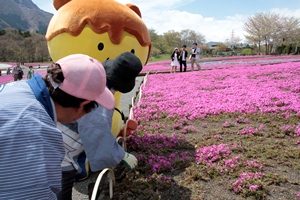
column 130, row 161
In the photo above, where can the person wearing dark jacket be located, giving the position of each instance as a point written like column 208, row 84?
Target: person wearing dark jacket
column 183, row 57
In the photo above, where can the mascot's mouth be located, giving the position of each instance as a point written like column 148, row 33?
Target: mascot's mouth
column 107, row 58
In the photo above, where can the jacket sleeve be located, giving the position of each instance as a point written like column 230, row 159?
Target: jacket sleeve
column 31, row 152
column 99, row 144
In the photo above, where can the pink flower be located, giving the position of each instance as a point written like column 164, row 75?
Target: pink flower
column 253, row 187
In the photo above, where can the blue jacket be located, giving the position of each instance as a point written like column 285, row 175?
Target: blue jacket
column 98, row 142
column 31, row 147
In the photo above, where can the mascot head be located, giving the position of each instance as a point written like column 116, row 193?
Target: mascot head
column 102, row 29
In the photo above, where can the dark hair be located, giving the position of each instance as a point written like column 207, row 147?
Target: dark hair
column 184, row 45
column 61, row 97
column 195, row 43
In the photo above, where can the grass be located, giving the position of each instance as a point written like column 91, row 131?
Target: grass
column 161, row 57
column 268, row 159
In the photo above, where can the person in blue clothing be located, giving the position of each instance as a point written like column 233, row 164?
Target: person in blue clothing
column 31, row 146
column 91, row 134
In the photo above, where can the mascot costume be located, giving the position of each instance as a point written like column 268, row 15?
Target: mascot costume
column 102, row 29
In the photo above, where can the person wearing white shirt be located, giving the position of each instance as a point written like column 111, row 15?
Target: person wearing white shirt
column 195, row 56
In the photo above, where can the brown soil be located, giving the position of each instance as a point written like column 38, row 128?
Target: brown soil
column 276, row 149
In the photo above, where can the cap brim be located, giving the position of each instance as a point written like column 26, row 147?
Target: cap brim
column 106, row 99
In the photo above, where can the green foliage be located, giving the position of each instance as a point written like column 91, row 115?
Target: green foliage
column 246, row 52
column 26, row 34
column 160, row 57
column 287, row 49
column 2, row 32
column 155, row 52
column 166, row 42
column 16, row 45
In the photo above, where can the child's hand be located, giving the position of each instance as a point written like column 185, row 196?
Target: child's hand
column 130, row 161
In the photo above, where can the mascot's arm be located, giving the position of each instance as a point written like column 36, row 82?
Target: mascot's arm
column 131, row 126
column 118, row 125
column 117, row 121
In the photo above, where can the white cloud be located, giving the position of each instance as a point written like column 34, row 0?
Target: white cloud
column 162, row 16
column 286, row 12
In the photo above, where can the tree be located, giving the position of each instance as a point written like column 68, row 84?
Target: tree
column 23, row 47
column 41, row 49
column 272, row 30
column 204, row 49
column 172, row 40
column 290, row 32
column 254, row 30
column 155, row 52
column 28, row 50
column 157, row 42
column 188, row 37
column 220, row 47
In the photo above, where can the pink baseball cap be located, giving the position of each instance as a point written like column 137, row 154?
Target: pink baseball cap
column 85, row 78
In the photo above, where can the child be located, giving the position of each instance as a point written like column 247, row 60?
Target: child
column 175, row 57
column 30, row 142
column 30, row 72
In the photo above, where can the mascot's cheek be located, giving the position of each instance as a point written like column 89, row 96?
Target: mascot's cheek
column 130, row 43
column 87, row 43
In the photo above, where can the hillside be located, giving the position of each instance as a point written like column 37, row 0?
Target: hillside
column 23, row 15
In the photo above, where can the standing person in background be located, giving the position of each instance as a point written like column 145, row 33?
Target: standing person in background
column 17, row 72
column 183, row 57
column 30, row 72
column 31, row 145
column 175, row 58
column 195, row 56
column 8, row 71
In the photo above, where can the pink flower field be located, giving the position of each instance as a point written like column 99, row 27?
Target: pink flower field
column 231, row 132
column 225, row 62
column 244, row 89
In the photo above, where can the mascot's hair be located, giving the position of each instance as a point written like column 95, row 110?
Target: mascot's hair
column 102, row 16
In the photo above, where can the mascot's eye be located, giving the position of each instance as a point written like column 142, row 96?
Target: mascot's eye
column 100, row 46
column 132, row 51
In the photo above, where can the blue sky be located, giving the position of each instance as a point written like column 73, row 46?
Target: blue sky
column 219, row 9
column 215, row 19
